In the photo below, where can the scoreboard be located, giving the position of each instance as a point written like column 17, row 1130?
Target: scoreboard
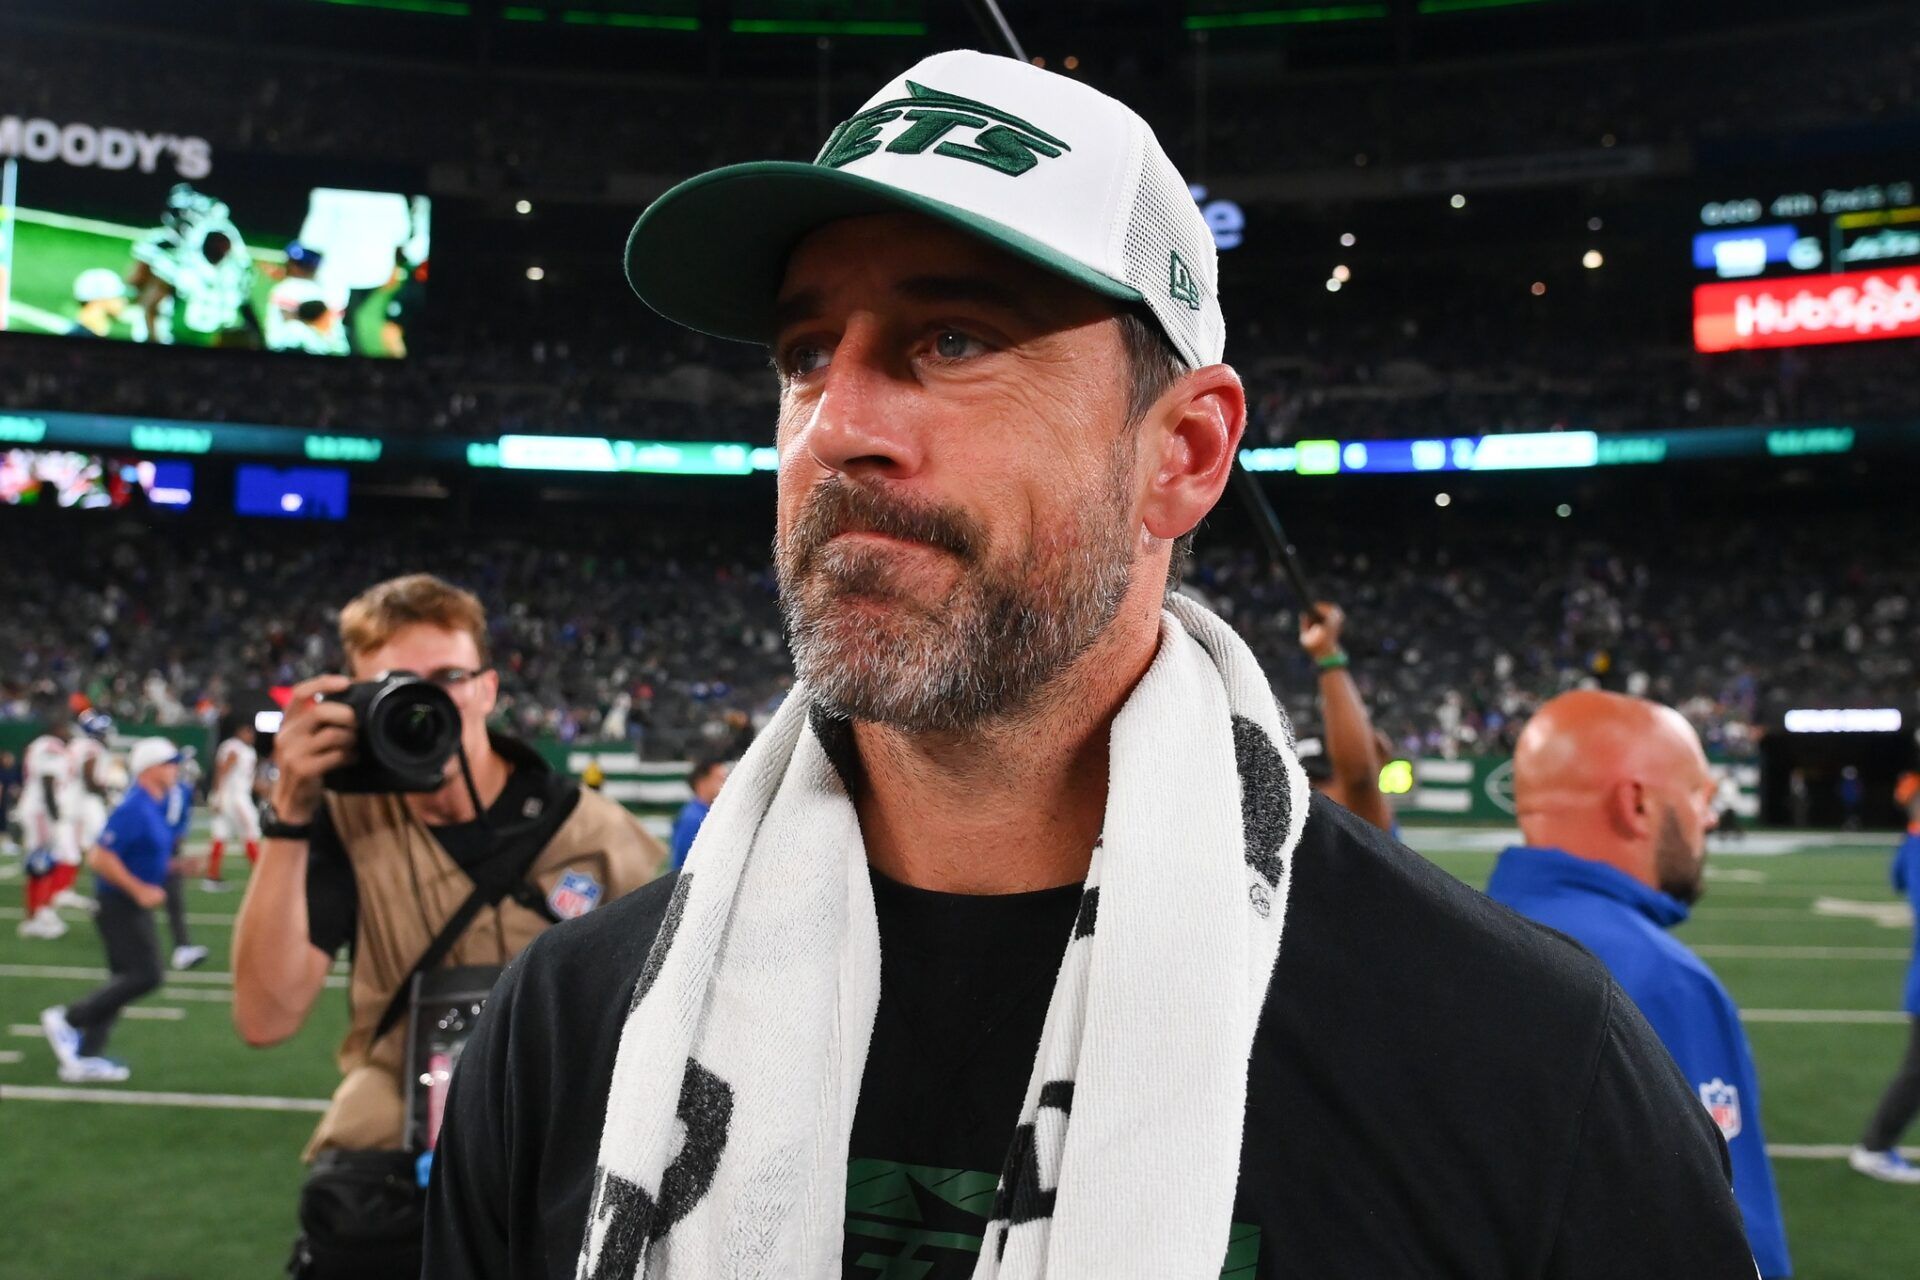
column 1800, row 267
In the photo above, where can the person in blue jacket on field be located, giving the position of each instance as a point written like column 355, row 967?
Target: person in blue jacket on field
column 705, row 781
column 1878, row 1155
column 1615, row 801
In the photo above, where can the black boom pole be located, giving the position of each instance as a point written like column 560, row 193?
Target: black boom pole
column 1280, row 550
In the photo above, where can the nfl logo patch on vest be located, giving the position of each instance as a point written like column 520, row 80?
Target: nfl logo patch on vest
column 1722, row 1102
column 575, row 895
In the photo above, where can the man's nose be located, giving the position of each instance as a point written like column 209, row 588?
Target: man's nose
column 864, row 422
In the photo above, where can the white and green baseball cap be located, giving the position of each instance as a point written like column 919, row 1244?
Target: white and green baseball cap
column 1039, row 165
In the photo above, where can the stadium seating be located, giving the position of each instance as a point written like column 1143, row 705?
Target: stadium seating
column 156, row 620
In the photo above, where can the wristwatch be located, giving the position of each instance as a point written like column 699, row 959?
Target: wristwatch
column 272, row 828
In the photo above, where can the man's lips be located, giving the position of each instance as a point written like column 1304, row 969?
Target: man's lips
column 870, row 537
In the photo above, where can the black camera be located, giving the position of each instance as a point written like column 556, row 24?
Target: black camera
column 409, row 729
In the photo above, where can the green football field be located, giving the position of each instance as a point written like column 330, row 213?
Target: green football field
column 189, row 1170
column 51, row 250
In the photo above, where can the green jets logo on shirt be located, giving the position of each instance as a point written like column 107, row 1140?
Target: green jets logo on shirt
column 916, row 1222
column 1181, row 284
column 946, row 124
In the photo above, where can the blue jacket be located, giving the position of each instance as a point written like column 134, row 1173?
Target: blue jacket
column 1624, row 923
column 138, row 833
column 180, row 811
column 685, row 828
column 1906, row 879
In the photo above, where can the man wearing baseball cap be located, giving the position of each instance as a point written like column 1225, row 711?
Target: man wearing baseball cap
column 102, row 298
column 1016, row 945
column 130, row 865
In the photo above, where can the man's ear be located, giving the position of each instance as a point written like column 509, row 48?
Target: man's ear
column 1191, row 435
column 1629, row 811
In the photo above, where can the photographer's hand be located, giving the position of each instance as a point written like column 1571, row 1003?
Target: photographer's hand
column 277, row 971
column 314, row 737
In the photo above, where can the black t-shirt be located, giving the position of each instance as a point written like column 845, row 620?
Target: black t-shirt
column 333, row 896
column 1437, row 1088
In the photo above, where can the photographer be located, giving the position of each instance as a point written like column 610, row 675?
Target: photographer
column 461, row 864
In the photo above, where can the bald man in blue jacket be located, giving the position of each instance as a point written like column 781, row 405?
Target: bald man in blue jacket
column 1615, row 802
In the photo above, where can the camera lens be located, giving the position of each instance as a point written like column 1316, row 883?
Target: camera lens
column 411, row 728
column 417, row 729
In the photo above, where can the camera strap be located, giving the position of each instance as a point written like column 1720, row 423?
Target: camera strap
column 501, row 876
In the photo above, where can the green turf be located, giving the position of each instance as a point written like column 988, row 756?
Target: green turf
column 47, row 260
column 194, row 1192
column 210, row 1193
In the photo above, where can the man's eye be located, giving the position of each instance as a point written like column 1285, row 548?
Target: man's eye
column 951, row 344
column 802, row 361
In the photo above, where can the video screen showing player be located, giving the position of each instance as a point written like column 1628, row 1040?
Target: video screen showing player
column 252, row 255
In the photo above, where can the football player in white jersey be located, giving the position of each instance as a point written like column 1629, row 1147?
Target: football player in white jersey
column 300, row 316
column 44, row 770
column 92, row 788
column 235, row 815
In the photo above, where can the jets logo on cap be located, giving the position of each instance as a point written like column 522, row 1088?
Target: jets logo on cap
column 948, row 124
column 1181, row 285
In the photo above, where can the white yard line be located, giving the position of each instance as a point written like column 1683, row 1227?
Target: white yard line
column 252, row 1102
column 27, row 1030
column 81, row 973
column 118, row 230
column 153, row 1013
column 210, row 919
column 1730, row 951
column 204, row 995
column 10, row 1056
column 138, row 1098
column 46, row 320
column 1855, row 1016
column 1712, row 913
column 1887, row 915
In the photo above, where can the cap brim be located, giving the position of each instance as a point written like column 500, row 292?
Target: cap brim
column 711, row 253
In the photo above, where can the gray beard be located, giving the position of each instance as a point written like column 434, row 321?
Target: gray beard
column 980, row 655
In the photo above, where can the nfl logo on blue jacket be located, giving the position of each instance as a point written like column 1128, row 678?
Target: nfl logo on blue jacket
column 1722, row 1102
column 575, row 895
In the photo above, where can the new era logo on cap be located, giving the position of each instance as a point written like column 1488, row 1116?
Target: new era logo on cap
column 1181, row 286
column 1045, row 167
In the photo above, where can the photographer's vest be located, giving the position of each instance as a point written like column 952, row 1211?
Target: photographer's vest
column 409, row 887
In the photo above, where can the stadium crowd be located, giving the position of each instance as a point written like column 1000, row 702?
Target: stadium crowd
column 1364, row 384
column 674, row 643
column 659, row 640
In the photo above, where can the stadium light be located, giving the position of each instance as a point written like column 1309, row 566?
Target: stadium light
column 1333, row 284
column 1563, row 511
column 1594, row 224
column 1592, row 259
column 1341, row 273
column 536, row 273
column 1459, row 201
column 1072, row 63
column 1346, row 240
column 1442, row 499
column 523, row 206
column 1538, row 289
column 1844, row 720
